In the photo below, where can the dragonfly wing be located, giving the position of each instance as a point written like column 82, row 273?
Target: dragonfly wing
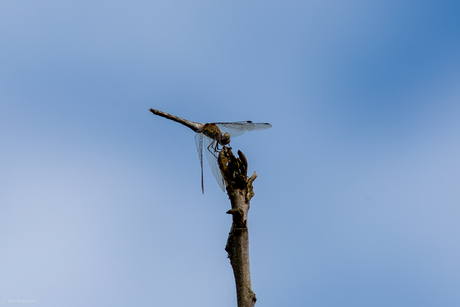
column 262, row 126
column 212, row 154
column 238, row 128
column 199, row 148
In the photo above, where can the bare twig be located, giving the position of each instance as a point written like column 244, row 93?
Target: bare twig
column 240, row 192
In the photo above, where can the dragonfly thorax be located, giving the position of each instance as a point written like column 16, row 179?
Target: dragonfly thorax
column 213, row 132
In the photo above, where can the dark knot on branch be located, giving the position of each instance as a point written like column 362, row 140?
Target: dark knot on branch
column 238, row 217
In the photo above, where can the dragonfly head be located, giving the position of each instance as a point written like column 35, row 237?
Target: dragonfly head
column 225, row 139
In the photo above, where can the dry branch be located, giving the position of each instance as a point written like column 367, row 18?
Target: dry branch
column 240, row 192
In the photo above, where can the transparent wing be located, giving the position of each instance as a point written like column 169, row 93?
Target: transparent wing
column 199, row 148
column 212, row 154
column 238, row 128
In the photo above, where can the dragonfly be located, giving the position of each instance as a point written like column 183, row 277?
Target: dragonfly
column 212, row 135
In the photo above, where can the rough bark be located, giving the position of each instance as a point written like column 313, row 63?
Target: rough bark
column 240, row 192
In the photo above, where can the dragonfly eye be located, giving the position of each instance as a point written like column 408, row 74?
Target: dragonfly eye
column 225, row 139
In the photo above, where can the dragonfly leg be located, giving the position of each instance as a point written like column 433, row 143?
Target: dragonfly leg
column 215, row 149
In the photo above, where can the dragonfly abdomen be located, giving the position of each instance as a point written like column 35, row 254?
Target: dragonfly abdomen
column 192, row 125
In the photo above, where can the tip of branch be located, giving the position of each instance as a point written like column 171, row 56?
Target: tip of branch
column 252, row 178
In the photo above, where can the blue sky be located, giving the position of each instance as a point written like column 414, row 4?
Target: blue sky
column 357, row 201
